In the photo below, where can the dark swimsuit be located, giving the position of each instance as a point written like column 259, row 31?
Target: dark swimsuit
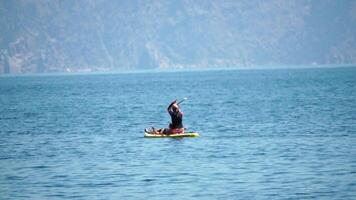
column 177, row 118
column 176, row 126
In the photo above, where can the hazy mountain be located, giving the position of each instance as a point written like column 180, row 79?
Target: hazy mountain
column 65, row 35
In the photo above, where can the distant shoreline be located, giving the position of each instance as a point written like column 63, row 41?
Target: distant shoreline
column 175, row 70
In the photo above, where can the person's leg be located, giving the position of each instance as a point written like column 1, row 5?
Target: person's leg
column 159, row 131
column 154, row 131
column 167, row 131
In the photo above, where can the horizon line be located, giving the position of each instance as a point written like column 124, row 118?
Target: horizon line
column 189, row 69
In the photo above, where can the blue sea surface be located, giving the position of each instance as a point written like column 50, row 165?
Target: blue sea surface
column 265, row 134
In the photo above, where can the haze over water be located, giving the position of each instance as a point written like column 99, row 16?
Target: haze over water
column 265, row 134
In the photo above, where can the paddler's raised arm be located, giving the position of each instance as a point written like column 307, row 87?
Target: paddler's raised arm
column 170, row 105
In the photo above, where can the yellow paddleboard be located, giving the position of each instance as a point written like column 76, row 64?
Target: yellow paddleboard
column 180, row 135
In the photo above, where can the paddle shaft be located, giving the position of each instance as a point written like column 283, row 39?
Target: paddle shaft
column 181, row 101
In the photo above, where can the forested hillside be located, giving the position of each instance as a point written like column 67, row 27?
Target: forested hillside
column 103, row 35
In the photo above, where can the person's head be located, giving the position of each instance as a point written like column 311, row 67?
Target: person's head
column 175, row 107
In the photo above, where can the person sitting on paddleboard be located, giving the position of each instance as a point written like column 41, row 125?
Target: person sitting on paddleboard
column 176, row 127
column 177, row 118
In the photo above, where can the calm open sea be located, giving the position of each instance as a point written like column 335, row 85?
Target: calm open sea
column 265, row 134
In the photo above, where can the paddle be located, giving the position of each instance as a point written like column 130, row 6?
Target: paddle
column 185, row 98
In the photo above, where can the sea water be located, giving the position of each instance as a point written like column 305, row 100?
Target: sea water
column 265, row 134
